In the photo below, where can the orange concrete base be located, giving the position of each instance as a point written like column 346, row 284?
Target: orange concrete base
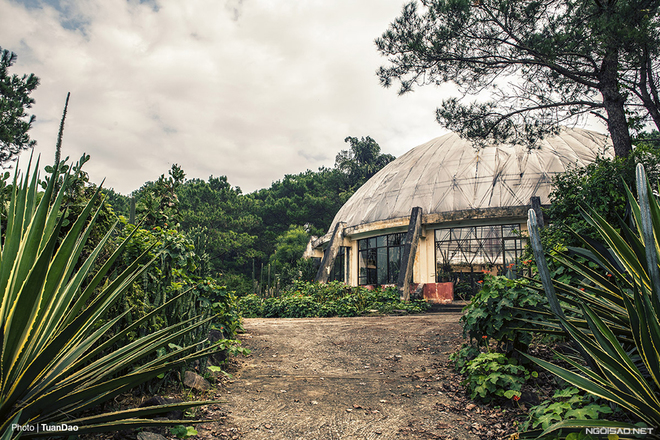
column 440, row 293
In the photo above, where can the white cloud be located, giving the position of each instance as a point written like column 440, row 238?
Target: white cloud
column 251, row 89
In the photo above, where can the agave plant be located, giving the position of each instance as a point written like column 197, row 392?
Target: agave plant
column 615, row 321
column 56, row 360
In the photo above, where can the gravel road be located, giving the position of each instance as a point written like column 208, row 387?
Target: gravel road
column 378, row 377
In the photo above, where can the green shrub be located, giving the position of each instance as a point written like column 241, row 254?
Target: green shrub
column 492, row 376
column 290, row 306
column 170, row 274
column 274, row 308
column 466, row 353
column 463, row 290
column 498, row 311
column 235, row 282
column 250, row 306
column 306, row 299
column 594, row 186
column 323, row 292
column 224, row 306
column 566, row 404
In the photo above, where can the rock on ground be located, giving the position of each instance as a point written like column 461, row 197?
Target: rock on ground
column 195, row 381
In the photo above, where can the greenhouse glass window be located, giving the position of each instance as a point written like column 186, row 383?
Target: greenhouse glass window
column 477, row 247
column 340, row 268
column 379, row 259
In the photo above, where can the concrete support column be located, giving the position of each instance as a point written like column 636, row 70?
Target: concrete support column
column 309, row 249
column 330, row 254
column 409, row 251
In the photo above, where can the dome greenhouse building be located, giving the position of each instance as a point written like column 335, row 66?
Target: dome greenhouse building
column 444, row 213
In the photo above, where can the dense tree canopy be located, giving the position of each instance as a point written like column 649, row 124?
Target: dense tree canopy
column 235, row 232
column 14, row 100
column 222, row 222
column 540, row 62
column 158, row 202
column 362, row 160
column 290, row 246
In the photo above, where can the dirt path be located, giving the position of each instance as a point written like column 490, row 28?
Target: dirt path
column 380, row 377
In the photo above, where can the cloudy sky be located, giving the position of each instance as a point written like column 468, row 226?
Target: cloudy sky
column 250, row 89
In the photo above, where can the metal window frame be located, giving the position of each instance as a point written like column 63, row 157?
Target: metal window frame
column 372, row 245
column 472, row 242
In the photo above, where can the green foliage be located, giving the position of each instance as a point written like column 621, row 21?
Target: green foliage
column 290, row 306
column 463, row 290
column 600, row 185
column 616, row 326
column 304, row 269
column 466, row 353
column 251, row 306
column 492, row 376
column 236, row 282
column 566, row 404
column 158, row 203
column 305, row 299
column 9, row 433
column 287, row 261
column 120, row 204
column 224, row 306
column 237, row 235
column 500, row 310
column 289, row 246
column 14, row 100
column 5, row 195
column 309, row 199
column 181, row 431
column 362, row 161
column 56, row 353
column 170, row 274
column 167, row 277
column 77, row 188
column 222, row 222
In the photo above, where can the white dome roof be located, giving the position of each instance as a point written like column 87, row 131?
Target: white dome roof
column 449, row 174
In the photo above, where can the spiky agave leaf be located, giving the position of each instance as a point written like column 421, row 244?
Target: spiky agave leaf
column 51, row 353
column 622, row 315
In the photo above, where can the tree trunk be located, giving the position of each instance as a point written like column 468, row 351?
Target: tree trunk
column 646, row 82
column 613, row 101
